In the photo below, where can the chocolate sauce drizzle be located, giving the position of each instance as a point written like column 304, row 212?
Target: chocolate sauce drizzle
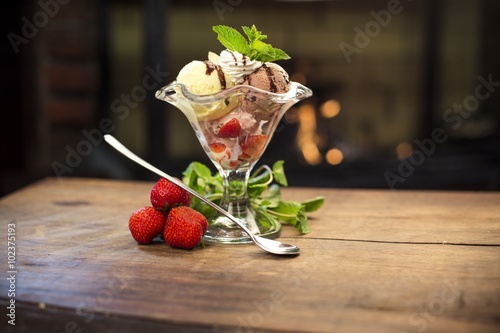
column 272, row 85
column 212, row 67
column 234, row 58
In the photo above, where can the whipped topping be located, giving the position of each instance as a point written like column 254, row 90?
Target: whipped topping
column 237, row 65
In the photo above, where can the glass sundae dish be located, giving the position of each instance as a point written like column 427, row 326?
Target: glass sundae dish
column 234, row 103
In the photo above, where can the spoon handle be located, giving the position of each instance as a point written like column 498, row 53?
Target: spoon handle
column 125, row 151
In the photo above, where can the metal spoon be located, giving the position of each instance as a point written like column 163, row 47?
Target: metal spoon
column 266, row 244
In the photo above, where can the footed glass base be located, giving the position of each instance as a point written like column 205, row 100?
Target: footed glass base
column 223, row 231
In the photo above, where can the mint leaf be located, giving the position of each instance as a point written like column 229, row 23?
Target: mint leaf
column 264, row 196
column 279, row 54
column 254, row 48
column 194, row 171
column 279, row 173
column 231, row 39
column 199, row 178
column 259, row 181
column 261, row 50
column 272, row 196
column 265, row 52
column 293, row 213
column 202, row 207
column 255, row 190
column 267, row 218
column 253, row 34
column 302, row 223
column 313, row 204
column 259, row 177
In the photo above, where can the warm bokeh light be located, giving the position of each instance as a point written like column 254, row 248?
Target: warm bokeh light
column 330, row 108
column 334, row 156
column 307, row 137
column 404, row 149
column 307, row 117
column 311, row 153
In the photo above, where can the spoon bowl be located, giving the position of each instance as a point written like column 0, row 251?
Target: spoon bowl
column 269, row 245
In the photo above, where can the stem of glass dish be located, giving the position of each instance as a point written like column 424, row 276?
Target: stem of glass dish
column 235, row 198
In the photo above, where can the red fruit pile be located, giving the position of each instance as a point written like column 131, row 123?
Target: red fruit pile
column 234, row 144
column 170, row 216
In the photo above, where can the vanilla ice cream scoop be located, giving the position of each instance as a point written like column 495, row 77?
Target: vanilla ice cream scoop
column 204, row 78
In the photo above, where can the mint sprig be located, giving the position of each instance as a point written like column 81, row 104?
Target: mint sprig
column 254, row 48
column 199, row 177
column 264, row 191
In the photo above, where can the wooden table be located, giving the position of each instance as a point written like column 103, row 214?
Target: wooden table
column 375, row 261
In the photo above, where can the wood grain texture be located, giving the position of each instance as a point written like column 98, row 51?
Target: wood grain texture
column 375, row 262
column 407, row 216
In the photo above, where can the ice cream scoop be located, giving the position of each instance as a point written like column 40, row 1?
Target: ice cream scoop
column 269, row 77
column 204, row 77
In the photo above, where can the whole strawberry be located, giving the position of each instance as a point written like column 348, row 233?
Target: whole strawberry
column 184, row 227
column 146, row 223
column 166, row 195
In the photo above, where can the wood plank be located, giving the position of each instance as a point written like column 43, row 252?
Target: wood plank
column 370, row 215
column 78, row 264
column 332, row 286
column 405, row 216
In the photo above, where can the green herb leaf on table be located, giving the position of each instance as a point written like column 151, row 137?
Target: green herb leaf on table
column 264, row 195
column 279, row 173
column 313, row 204
column 272, row 196
column 199, row 178
column 267, row 202
column 292, row 213
column 259, row 181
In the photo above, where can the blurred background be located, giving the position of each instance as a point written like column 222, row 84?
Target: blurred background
column 406, row 93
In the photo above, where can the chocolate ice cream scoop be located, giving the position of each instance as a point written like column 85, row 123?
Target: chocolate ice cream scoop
column 269, row 77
